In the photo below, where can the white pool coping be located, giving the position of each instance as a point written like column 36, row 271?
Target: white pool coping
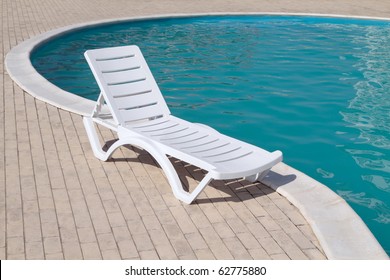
column 340, row 231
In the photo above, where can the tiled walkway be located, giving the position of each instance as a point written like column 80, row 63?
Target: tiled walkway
column 57, row 201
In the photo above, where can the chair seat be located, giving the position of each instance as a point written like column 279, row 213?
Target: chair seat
column 202, row 146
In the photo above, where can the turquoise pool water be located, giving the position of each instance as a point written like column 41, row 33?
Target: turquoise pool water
column 316, row 88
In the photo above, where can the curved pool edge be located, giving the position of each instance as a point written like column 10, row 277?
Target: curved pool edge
column 340, row 231
column 20, row 69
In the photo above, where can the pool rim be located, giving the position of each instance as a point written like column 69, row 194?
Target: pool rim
column 344, row 237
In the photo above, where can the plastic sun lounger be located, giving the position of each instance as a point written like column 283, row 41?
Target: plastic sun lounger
column 131, row 104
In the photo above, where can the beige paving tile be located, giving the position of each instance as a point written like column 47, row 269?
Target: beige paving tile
column 106, row 241
column 54, row 257
column 112, row 254
column 183, row 219
column 81, row 214
column 211, row 213
column 281, row 256
column 32, row 227
column 141, row 203
column 274, row 212
column 226, row 212
column 116, row 219
column 29, row 192
column 204, row 254
column 127, row 207
column 223, row 230
column 61, row 201
column 314, row 254
column 255, row 208
column 143, row 242
column 34, row 250
column 259, row 254
column 237, row 225
column 288, row 245
column 15, row 246
column 50, row 229
column 268, row 223
column 46, row 204
column 121, row 234
column 125, row 243
column 111, row 206
column 67, row 228
column 98, row 215
column 182, row 247
column 72, row 251
column 151, row 222
column 91, row 251
column 173, row 231
column 166, row 252
column 3, row 255
column 188, row 257
column 270, row 246
column 159, row 237
column 52, row 245
column 165, row 217
column 243, row 213
column 86, row 235
column 128, row 250
column 14, row 222
column 149, row 255
column 215, row 243
column 236, row 248
column 296, row 235
column 258, row 230
column 220, row 251
column 308, row 232
column 16, row 257
column 196, row 241
column 136, row 227
column 2, row 230
column 248, row 240
column 197, row 216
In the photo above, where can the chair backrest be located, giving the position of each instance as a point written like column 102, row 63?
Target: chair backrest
column 127, row 84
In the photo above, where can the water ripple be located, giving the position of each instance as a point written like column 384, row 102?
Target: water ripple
column 381, row 209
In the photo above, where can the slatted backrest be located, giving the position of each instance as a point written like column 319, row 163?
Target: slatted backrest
column 127, row 84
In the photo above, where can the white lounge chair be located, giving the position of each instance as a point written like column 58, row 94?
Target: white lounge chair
column 131, row 104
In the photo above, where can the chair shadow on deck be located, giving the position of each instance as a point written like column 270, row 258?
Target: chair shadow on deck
column 236, row 190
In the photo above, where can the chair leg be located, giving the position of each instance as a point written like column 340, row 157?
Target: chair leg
column 257, row 177
column 190, row 197
column 95, row 143
column 263, row 174
column 169, row 170
column 94, row 139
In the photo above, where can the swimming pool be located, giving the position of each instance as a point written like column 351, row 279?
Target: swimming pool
column 315, row 88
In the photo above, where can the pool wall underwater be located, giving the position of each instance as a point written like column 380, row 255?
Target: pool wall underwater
column 341, row 232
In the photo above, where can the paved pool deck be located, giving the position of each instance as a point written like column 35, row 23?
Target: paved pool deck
column 57, row 201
